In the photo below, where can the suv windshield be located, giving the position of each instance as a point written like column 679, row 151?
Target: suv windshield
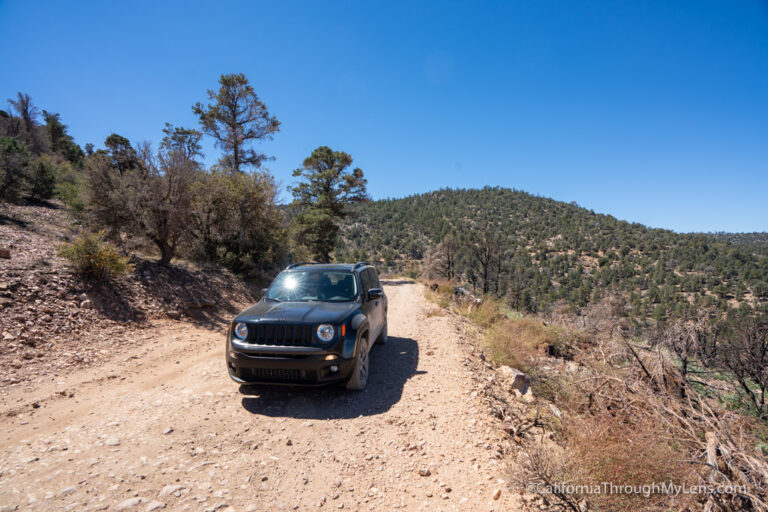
column 305, row 285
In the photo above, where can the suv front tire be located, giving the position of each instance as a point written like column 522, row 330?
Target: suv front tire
column 359, row 377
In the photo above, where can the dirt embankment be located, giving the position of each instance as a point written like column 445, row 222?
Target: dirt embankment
column 52, row 322
column 162, row 426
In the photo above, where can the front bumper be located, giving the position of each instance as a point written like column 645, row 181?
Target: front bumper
column 306, row 369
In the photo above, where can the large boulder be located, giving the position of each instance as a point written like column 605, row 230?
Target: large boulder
column 515, row 380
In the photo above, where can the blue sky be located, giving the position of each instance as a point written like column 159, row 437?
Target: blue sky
column 652, row 111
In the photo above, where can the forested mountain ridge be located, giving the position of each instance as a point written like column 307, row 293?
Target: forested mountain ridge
column 758, row 240
column 536, row 251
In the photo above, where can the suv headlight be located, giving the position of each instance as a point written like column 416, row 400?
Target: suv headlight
column 240, row 330
column 325, row 332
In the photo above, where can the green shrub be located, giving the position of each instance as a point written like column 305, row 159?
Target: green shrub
column 70, row 189
column 413, row 273
column 95, row 259
column 70, row 194
column 14, row 169
column 43, row 179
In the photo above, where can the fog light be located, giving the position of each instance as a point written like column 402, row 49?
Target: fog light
column 334, row 368
column 331, row 357
column 233, row 355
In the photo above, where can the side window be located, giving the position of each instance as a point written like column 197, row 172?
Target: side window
column 374, row 278
column 366, row 278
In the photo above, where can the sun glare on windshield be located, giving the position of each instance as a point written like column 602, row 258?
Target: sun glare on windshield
column 290, row 283
column 323, row 285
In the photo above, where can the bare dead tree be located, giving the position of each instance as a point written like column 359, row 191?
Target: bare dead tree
column 441, row 260
column 485, row 251
column 746, row 356
column 27, row 129
column 26, row 110
column 696, row 343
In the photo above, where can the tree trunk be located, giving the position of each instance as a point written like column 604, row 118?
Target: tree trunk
column 166, row 251
column 711, row 440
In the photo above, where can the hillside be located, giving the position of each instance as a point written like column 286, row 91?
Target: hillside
column 757, row 241
column 549, row 251
column 52, row 321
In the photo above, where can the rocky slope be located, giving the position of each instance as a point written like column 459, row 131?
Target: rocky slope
column 51, row 321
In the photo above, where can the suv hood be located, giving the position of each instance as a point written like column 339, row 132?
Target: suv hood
column 297, row 312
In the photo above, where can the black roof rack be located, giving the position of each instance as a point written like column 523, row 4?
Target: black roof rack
column 294, row 265
column 354, row 266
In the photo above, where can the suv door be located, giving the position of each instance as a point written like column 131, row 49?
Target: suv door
column 378, row 304
column 370, row 307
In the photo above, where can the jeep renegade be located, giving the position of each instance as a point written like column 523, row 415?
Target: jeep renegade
column 314, row 326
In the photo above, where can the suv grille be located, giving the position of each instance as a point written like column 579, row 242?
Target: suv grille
column 281, row 335
column 271, row 375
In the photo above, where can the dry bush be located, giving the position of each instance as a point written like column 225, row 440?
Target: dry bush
column 519, row 343
column 443, row 296
column 631, row 419
column 556, row 387
column 547, row 466
column 662, row 408
column 441, row 300
column 609, row 316
column 720, row 441
column 445, row 288
column 627, row 450
column 486, row 313
column 95, row 259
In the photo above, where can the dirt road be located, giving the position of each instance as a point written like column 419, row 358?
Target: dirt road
column 165, row 428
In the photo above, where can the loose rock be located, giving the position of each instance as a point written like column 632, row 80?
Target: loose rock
column 130, row 503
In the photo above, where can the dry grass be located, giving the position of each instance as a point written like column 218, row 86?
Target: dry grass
column 442, row 296
column 486, row 313
column 615, row 449
column 518, row 343
column 627, row 450
column 522, row 342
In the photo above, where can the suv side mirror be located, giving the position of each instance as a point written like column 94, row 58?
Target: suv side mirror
column 264, row 291
column 375, row 293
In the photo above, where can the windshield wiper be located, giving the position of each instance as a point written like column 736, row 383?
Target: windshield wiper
column 273, row 299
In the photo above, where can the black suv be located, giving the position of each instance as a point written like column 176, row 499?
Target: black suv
column 313, row 326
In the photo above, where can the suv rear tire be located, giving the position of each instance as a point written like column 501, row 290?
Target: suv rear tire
column 359, row 377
